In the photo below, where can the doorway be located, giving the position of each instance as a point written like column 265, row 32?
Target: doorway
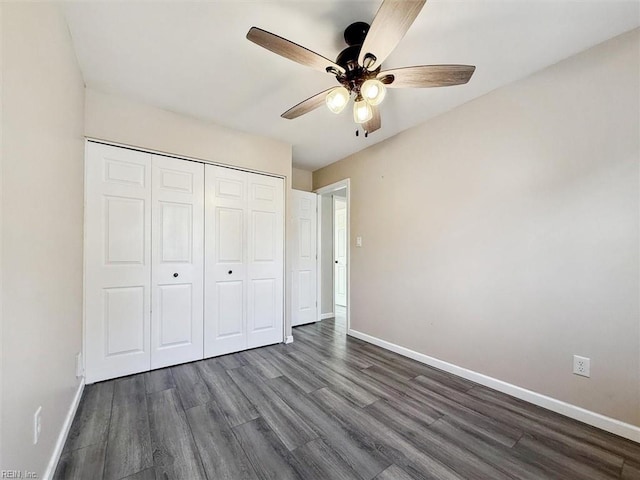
column 333, row 253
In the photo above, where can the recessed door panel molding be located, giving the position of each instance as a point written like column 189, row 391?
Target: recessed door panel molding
column 124, row 230
column 117, row 261
column 304, row 306
column 175, row 312
column 124, row 320
column 178, row 261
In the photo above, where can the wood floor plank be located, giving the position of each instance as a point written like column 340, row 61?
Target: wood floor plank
column 555, row 462
column 365, row 460
column 588, row 453
column 236, row 407
column 631, row 471
column 297, row 373
column 174, row 450
column 231, row 361
column 554, row 422
column 394, row 472
column 317, row 460
column 91, row 422
column 82, row 463
column 270, row 458
column 264, row 366
column 148, row 474
column 490, row 451
column 222, row 456
column 286, row 423
column 129, row 445
column 488, row 426
column 190, row 386
column 335, row 380
column 158, row 380
column 393, row 445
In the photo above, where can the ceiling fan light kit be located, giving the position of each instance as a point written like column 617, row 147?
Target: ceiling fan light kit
column 358, row 67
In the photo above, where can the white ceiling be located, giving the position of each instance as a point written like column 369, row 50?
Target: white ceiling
column 193, row 58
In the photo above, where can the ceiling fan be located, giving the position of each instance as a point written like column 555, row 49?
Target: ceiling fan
column 358, row 68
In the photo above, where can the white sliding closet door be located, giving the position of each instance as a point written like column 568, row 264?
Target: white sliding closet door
column 118, row 261
column 225, row 265
column 244, row 234
column 265, row 260
column 177, row 261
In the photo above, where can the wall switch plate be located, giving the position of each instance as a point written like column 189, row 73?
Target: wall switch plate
column 582, row 366
column 79, row 365
column 37, row 425
column 358, row 241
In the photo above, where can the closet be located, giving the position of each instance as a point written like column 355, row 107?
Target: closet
column 183, row 261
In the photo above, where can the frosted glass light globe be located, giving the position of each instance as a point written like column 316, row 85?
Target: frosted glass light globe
column 373, row 91
column 337, row 99
column 362, row 111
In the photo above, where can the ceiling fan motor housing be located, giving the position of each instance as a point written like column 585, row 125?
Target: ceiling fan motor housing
column 356, row 74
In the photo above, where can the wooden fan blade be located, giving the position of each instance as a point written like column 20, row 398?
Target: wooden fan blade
column 375, row 123
column 387, row 29
column 307, row 105
column 423, row 76
column 292, row 51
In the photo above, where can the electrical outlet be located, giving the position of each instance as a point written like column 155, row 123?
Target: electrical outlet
column 37, row 425
column 79, row 365
column 581, row 366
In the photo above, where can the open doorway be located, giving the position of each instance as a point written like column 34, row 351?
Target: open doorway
column 333, row 253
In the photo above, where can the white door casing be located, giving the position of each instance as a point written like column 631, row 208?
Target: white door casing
column 117, row 261
column 304, row 306
column 177, row 261
column 340, row 251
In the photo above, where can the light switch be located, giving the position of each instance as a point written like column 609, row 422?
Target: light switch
column 358, row 241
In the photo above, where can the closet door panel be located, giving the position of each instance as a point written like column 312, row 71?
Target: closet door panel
column 117, row 261
column 265, row 262
column 225, row 261
column 178, row 256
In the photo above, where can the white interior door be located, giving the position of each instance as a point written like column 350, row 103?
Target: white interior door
column 117, row 261
column 225, row 325
column 304, row 306
column 177, row 261
column 265, row 260
column 340, row 251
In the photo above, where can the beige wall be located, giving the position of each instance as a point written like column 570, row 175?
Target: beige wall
column 503, row 236
column 117, row 119
column 302, row 179
column 42, row 187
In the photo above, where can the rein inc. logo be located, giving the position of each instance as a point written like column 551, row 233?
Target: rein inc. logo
column 17, row 474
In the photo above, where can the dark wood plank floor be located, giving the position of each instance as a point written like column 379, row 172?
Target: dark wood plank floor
column 326, row 407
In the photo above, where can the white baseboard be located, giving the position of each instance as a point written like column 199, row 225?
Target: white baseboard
column 288, row 339
column 64, row 432
column 603, row 422
column 324, row 316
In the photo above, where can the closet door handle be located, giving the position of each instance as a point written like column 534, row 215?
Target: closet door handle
column 175, row 275
column 230, row 272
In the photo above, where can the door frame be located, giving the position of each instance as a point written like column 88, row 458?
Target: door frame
column 342, row 184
